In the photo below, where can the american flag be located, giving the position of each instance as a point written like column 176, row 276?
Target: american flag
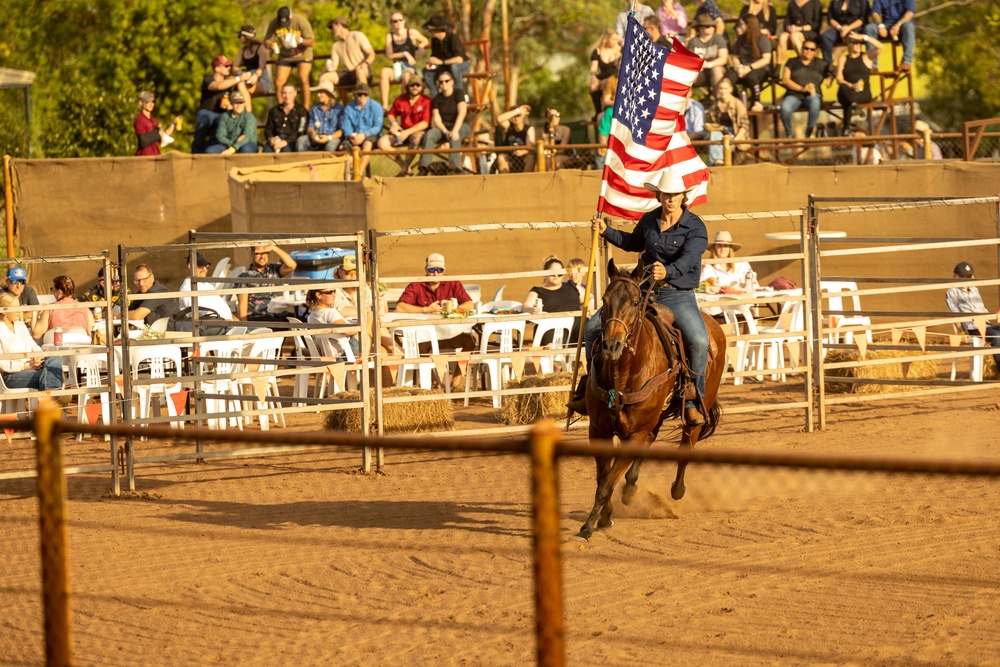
column 648, row 135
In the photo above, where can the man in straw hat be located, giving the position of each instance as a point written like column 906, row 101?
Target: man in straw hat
column 671, row 241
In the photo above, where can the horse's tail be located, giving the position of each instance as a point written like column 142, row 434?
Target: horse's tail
column 714, row 416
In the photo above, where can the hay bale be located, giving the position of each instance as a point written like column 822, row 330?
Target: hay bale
column 405, row 417
column 529, row 408
column 922, row 369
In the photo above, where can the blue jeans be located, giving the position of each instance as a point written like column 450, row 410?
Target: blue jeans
column 907, row 37
column 292, row 147
column 249, row 147
column 715, row 152
column 204, row 130
column 458, row 70
column 687, row 318
column 791, row 104
column 49, row 376
column 830, row 39
column 304, row 144
column 435, row 136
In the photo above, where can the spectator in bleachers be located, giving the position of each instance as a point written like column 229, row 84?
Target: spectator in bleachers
column 516, row 132
column 725, row 115
column 854, row 71
column 447, row 53
column 604, row 62
column 148, row 131
column 409, row 118
column 694, row 118
column 43, row 374
column 554, row 133
column 920, row 127
column 292, row 36
column 325, row 121
column 651, row 24
column 844, row 17
column 215, row 91
column 253, row 306
column 252, row 58
column 893, row 19
column 285, row 123
column 641, row 12
column 211, row 302
column 351, row 56
column 149, row 310
column 968, row 300
column 362, row 123
column 401, row 47
column 712, row 48
column 604, row 127
column 711, row 10
column 865, row 152
column 448, row 111
column 751, row 60
column 673, row 19
column 16, row 283
column 766, row 17
column 237, row 132
column 802, row 23
column 802, row 78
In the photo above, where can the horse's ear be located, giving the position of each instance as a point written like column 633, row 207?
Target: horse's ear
column 612, row 269
column 639, row 269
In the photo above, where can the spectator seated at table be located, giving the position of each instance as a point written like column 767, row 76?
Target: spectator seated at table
column 16, row 283
column 427, row 297
column 968, row 300
column 555, row 296
column 731, row 276
column 802, row 78
column 237, row 131
column 920, row 127
column 208, row 302
column 321, row 311
column 346, row 298
column 709, row 43
column 893, row 20
column 253, row 306
column 150, row 310
column 402, row 45
column 285, row 123
column 853, row 73
column 351, row 56
column 325, row 120
column 578, row 270
column 409, row 118
column 79, row 320
column 844, row 17
column 516, row 132
column 98, row 293
column 362, row 123
column 42, row 374
column 447, row 55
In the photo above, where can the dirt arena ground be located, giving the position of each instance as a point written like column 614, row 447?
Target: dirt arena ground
column 299, row 559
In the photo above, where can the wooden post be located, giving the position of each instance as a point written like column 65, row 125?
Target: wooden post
column 549, row 621
column 540, row 156
column 928, row 153
column 8, row 203
column 356, row 162
column 727, row 150
column 52, row 522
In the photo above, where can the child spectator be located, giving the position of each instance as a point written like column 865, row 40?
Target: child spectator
column 325, row 120
column 291, row 37
column 401, row 46
column 409, row 118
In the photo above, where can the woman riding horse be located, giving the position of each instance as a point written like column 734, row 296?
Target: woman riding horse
column 672, row 241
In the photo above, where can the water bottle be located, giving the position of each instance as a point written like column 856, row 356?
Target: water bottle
column 57, row 337
column 743, row 98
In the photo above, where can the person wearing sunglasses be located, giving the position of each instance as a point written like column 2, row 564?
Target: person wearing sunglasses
column 16, row 283
column 79, row 320
column 362, row 123
column 802, row 78
column 447, row 54
column 448, row 111
column 322, row 311
column 401, row 45
column 150, row 309
column 409, row 118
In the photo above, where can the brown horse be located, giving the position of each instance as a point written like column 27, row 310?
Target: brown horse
column 635, row 384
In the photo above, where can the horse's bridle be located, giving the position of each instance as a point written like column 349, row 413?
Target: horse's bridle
column 628, row 280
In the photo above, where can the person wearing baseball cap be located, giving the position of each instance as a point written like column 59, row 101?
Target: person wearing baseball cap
column 252, row 59
column 237, row 132
column 216, row 89
column 16, row 283
column 429, row 297
column 966, row 299
column 290, row 36
column 351, row 56
column 671, row 240
column 148, row 132
column 362, row 123
column 210, row 302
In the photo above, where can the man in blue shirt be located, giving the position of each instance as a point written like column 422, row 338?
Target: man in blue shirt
column 894, row 18
column 362, row 123
column 325, row 120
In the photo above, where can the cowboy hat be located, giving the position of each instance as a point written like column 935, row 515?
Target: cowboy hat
column 668, row 182
column 326, row 87
column 724, row 238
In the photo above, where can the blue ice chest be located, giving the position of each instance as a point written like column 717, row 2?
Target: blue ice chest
column 318, row 264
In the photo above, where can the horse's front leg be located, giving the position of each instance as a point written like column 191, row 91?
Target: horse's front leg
column 628, row 491
column 689, row 437
column 602, row 508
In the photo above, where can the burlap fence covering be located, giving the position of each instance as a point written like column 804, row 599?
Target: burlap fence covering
column 69, row 206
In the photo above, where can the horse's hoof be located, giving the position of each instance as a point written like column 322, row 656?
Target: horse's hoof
column 628, row 493
column 582, row 536
column 677, row 491
column 605, row 523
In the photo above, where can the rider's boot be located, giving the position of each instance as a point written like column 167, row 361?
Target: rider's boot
column 578, row 403
column 692, row 413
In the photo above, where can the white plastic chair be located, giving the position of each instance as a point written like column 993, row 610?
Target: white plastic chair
column 157, row 359
column 829, row 290
column 264, row 349
column 975, row 361
column 221, row 269
column 220, row 353
column 45, row 299
column 160, row 325
column 87, row 372
column 419, row 372
column 495, row 364
column 768, row 352
column 475, row 292
column 338, row 346
column 11, row 403
column 498, row 295
column 561, row 328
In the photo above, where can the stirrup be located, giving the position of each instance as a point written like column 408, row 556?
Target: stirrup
column 578, row 405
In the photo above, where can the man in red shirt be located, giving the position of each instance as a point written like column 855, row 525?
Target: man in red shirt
column 147, row 129
column 409, row 118
column 427, row 298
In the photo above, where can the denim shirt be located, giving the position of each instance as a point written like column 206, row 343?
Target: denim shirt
column 893, row 10
column 679, row 248
column 326, row 122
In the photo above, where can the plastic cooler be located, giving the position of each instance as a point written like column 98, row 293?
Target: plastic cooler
column 318, row 264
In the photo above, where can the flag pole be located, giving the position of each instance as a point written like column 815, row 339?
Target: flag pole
column 583, row 317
